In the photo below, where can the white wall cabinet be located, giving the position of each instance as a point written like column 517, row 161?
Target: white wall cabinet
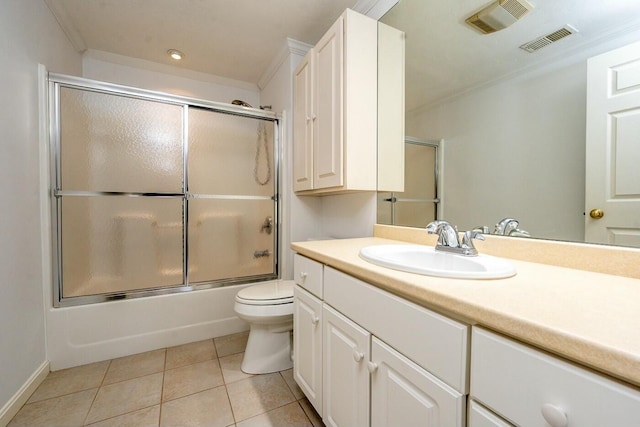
column 303, row 119
column 335, row 110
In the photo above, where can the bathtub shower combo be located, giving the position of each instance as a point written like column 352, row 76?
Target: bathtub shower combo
column 154, row 193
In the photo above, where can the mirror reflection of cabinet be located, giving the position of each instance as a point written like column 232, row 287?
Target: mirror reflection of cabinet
column 335, row 109
column 420, row 202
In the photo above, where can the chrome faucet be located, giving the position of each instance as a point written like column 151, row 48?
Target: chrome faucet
column 506, row 226
column 448, row 240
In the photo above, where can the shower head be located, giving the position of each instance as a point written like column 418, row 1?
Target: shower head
column 241, row 103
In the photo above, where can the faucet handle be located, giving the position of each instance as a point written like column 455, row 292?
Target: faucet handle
column 467, row 242
column 432, row 227
column 447, row 235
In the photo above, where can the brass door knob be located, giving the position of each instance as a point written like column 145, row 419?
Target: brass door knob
column 596, row 213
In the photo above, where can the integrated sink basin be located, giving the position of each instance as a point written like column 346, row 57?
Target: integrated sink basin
column 426, row 260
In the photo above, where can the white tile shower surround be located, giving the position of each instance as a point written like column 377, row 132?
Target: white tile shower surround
column 196, row 384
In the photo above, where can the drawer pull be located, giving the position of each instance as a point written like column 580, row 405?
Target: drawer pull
column 554, row 415
column 358, row 356
column 303, row 276
column 372, row 367
column 315, row 320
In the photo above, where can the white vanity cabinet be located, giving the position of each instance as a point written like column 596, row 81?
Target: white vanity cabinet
column 307, row 328
column 530, row 388
column 479, row 416
column 345, row 377
column 335, row 112
column 373, row 347
column 404, row 394
column 307, row 345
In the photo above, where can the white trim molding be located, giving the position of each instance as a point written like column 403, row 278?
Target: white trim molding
column 374, row 8
column 11, row 408
column 61, row 14
column 291, row 46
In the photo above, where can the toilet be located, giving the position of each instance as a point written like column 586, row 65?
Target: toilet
column 268, row 308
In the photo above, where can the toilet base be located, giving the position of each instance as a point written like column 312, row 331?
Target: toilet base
column 268, row 349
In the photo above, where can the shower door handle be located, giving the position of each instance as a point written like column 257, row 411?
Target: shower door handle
column 267, row 225
column 261, row 254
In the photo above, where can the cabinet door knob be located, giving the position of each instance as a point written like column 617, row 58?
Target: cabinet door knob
column 358, row 356
column 303, row 276
column 554, row 415
column 372, row 367
column 315, row 320
column 313, row 117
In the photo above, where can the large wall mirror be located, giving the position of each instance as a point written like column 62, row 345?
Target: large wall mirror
column 512, row 124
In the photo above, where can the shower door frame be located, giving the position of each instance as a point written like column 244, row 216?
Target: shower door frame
column 55, row 82
column 437, row 199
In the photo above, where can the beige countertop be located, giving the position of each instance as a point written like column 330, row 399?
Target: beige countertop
column 587, row 317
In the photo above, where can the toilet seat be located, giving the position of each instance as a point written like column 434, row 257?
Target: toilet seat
column 273, row 293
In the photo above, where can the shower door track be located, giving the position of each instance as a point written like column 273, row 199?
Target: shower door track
column 55, row 82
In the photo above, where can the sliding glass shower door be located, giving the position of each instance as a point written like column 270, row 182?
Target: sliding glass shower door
column 154, row 194
column 231, row 204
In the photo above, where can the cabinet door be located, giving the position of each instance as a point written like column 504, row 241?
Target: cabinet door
column 404, row 394
column 307, row 345
column 479, row 416
column 346, row 378
column 303, row 124
column 328, row 100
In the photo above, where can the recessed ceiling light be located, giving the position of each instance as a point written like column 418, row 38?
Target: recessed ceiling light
column 175, row 54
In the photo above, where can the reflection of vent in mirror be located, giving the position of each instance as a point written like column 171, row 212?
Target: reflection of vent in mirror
column 498, row 15
column 553, row 37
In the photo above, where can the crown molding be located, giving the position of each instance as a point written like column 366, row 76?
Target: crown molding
column 290, row 47
column 374, row 8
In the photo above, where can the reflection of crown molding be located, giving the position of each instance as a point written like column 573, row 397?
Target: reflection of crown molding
column 66, row 24
column 608, row 40
column 374, row 8
column 290, row 47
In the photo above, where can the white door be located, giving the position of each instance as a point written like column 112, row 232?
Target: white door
column 346, row 378
column 307, row 342
column 613, row 148
column 404, row 394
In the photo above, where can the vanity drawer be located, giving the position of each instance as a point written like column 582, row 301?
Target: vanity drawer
column 436, row 343
column 308, row 274
column 521, row 383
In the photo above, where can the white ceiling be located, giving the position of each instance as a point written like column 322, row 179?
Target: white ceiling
column 238, row 39
column 235, row 39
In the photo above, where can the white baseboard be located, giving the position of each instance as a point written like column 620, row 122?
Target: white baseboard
column 11, row 408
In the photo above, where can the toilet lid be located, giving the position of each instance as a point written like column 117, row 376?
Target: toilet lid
column 277, row 292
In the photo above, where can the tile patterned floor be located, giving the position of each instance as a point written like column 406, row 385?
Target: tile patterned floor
column 196, row 384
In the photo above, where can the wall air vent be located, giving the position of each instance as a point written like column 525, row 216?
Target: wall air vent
column 540, row 42
column 499, row 15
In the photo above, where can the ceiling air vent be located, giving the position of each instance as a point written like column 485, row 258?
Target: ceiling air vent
column 540, row 42
column 498, row 15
